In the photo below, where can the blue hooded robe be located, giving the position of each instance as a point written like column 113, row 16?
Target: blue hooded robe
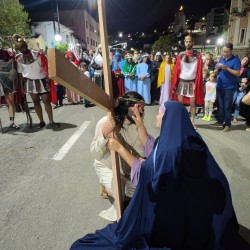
column 182, row 200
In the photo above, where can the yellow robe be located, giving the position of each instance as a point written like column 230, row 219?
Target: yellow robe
column 161, row 75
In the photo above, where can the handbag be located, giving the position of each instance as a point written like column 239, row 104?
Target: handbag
column 95, row 66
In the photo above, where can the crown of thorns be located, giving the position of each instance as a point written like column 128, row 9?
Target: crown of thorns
column 123, row 99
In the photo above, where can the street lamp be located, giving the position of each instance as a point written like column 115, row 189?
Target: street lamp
column 54, row 4
column 207, row 42
column 58, row 37
column 220, row 41
column 120, row 34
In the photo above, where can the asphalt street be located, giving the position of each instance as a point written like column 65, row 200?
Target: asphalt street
column 49, row 193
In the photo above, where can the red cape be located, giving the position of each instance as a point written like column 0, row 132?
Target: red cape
column 198, row 92
column 53, row 97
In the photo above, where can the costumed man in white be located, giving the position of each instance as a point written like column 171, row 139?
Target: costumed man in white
column 125, row 129
column 33, row 68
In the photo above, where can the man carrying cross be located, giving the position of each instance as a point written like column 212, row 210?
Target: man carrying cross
column 124, row 128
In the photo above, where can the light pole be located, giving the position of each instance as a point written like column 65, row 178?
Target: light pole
column 207, row 42
column 58, row 37
column 220, row 41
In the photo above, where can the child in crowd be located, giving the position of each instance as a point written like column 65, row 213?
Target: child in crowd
column 200, row 109
column 210, row 97
column 84, row 69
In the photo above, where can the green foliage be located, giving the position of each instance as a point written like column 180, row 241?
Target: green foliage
column 13, row 20
column 62, row 47
column 244, row 11
column 165, row 43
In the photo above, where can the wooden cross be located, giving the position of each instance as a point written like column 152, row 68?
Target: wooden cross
column 64, row 72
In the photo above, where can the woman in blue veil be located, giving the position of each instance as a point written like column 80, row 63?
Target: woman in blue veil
column 182, row 200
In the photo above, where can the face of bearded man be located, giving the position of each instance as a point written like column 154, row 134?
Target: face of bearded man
column 189, row 44
column 131, row 112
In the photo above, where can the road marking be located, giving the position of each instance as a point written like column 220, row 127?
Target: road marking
column 67, row 146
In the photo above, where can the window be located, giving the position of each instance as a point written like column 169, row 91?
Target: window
column 242, row 36
column 91, row 42
column 87, row 26
column 231, row 32
column 87, row 40
column 67, row 39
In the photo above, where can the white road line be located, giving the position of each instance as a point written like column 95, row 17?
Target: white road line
column 66, row 147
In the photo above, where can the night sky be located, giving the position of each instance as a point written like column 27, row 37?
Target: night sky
column 134, row 15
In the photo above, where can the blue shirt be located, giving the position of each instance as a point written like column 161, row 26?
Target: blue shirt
column 225, row 79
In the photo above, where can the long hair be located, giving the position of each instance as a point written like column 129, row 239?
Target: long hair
column 129, row 99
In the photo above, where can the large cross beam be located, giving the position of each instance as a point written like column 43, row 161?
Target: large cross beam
column 65, row 73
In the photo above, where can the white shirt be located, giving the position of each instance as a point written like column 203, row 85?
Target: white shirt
column 32, row 71
column 210, row 91
column 188, row 70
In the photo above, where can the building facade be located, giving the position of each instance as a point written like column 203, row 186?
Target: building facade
column 217, row 20
column 239, row 30
column 47, row 31
column 86, row 28
column 76, row 26
column 179, row 23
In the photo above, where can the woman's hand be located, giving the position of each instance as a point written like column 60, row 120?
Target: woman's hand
column 138, row 110
column 108, row 127
column 114, row 144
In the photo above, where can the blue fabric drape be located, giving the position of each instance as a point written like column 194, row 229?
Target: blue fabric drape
column 181, row 203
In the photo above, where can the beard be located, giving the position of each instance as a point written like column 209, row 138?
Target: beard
column 129, row 117
column 189, row 47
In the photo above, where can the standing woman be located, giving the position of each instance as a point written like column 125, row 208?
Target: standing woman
column 164, row 79
column 117, row 77
column 244, row 80
column 155, row 67
column 144, row 84
column 129, row 70
column 73, row 98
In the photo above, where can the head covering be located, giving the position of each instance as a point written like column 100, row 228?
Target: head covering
column 78, row 45
column 145, row 55
column 117, row 54
column 158, row 53
column 128, row 56
column 19, row 41
column 71, row 53
column 182, row 200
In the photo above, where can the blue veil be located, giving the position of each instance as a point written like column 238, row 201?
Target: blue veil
column 182, row 200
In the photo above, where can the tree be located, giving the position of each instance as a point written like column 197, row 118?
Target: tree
column 243, row 11
column 166, row 43
column 63, row 48
column 13, row 20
